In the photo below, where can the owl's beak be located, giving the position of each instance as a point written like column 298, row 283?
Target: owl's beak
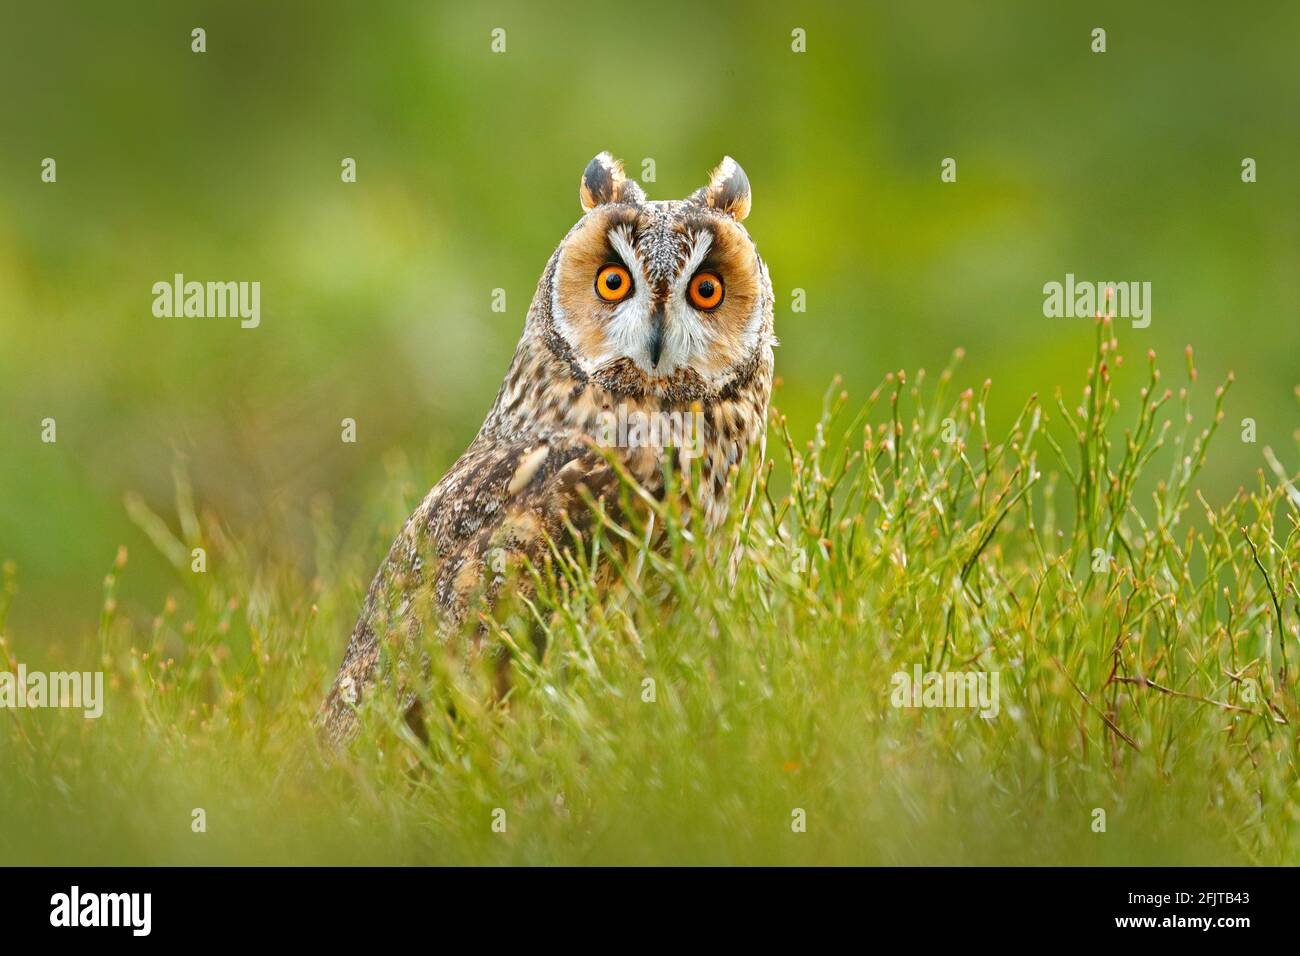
column 656, row 335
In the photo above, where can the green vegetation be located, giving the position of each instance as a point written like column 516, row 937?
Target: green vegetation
column 376, row 299
column 1145, row 639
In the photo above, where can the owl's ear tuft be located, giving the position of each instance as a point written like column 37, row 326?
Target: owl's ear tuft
column 603, row 181
column 727, row 191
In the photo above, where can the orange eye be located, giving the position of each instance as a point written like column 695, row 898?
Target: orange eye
column 706, row 291
column 613, row 284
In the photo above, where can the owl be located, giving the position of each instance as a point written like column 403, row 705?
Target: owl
column 647, row 312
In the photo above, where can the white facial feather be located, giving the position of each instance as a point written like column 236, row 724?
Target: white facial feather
column 749, row 338
column 628, row 331
column 688, row 340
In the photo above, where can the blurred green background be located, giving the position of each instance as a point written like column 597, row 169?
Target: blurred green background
column 376, row 296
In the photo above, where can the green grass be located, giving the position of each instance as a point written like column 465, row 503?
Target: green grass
column 1160, row 689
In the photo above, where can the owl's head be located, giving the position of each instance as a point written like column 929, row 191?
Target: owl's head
column 665, row 299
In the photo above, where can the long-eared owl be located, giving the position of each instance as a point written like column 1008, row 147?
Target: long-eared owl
column 646, row 312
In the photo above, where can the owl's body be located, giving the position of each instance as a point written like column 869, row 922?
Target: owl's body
column 644, row 308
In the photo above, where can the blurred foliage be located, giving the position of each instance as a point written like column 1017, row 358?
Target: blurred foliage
column 376, row 295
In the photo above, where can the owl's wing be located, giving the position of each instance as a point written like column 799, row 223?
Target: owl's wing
column 499, row 503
